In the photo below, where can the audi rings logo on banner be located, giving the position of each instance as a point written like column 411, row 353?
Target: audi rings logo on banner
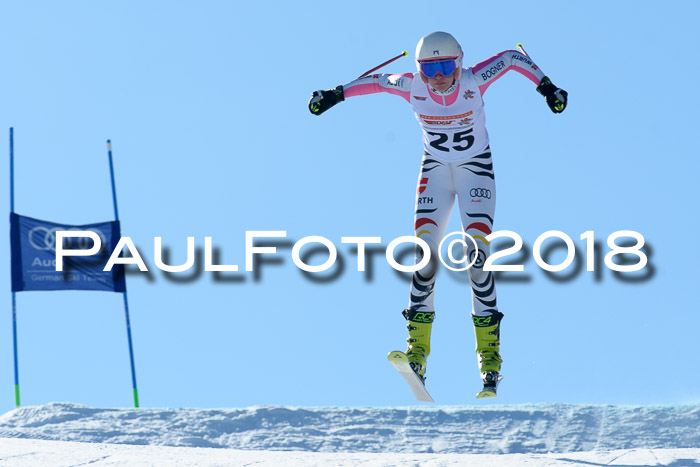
column 44, row 239
column 480, row 193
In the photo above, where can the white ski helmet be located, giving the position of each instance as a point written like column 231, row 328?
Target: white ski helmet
column 439, row 45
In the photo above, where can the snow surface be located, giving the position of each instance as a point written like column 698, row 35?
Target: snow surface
column 529, row 435
column 25, row 452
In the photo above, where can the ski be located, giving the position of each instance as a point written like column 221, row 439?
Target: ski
column 400, row 361
column 489, row 391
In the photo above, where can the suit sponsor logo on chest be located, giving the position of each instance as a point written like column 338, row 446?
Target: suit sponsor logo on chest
column 462, row 119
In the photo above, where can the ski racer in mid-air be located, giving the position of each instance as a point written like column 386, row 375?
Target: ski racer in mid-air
column 448, row 103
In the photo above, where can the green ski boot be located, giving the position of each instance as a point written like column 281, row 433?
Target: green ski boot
column 419, row 326
column 487, row 330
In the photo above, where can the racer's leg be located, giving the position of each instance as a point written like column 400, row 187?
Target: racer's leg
column 476, row 190
column 434, row 201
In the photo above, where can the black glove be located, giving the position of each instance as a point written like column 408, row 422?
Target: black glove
column 555, row 97
column 323, row 100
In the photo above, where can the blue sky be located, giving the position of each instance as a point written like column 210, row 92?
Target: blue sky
column 206, row 107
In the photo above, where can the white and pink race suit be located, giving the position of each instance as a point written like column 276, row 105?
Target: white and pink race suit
column 456, row 162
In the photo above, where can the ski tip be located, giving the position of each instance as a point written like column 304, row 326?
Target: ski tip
column 396, row 355
column 487, row 394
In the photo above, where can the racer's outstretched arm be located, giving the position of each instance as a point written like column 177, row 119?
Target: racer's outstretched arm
column 399, row 84
column 491, row 69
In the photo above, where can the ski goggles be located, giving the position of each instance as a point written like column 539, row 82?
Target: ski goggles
column 444, row 67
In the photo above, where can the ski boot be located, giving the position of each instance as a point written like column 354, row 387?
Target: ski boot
column 487, row 330
column 419, row 324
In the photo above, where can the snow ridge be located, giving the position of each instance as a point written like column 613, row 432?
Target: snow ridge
column 532, row 429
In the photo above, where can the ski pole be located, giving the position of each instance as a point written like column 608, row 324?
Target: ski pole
column 520, row 46
column 402, row 54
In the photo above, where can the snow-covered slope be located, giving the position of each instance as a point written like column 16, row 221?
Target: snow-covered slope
column 531, row 429
column 31, row 452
